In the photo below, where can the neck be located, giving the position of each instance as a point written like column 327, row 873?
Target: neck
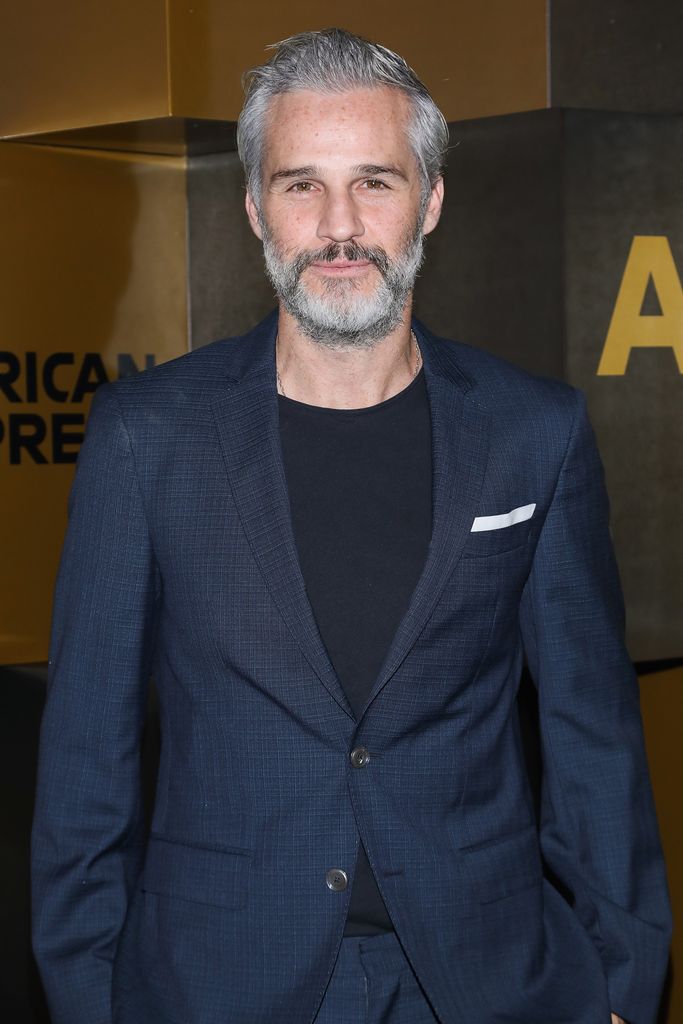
column 344, row 378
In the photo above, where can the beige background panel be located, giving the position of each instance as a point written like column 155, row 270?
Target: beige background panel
column 93, row 260
column 661, row 699
column 81, row 62
column 478, row 57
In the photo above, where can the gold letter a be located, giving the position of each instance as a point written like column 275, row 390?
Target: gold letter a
column 650, row 256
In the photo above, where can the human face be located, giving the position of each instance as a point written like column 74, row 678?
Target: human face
column 342, row 213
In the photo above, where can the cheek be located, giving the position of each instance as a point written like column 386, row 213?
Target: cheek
column 294, row 230
column 389, row 227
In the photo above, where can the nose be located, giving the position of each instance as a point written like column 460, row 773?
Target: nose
column 340, row 219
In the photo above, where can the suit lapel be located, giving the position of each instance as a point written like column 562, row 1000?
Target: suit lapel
column 246, row 416
column 460, row 441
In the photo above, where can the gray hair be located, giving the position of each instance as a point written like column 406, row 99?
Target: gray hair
column 329, row 61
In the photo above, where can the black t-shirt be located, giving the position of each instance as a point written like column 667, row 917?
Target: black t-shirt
column 360, row 491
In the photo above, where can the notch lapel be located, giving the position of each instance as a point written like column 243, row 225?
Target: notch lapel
column 246, row 416
column 460, row 443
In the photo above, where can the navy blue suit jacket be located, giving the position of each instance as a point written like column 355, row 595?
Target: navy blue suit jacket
column 180, row 561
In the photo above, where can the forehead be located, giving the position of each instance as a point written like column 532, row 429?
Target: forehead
column 359, row 126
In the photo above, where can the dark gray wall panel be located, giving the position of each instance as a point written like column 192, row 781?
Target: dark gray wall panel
column 229, row 292
column 617, row 55
column 493, row 272
column 623, row 178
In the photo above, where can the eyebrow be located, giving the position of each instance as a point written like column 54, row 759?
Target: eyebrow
column 296, row 172
column 375, row 169
column 311, row 171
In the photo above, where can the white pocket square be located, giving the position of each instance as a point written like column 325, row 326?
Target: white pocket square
column 516, row 515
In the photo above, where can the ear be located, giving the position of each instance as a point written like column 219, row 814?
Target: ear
column 252, row 214
column 433, row 207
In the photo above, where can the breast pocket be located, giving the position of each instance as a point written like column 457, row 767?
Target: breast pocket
column 214, row 875
column 493, row 542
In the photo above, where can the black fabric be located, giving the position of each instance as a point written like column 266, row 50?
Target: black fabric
column 360, row 490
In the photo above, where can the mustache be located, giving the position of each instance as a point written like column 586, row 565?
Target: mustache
column 350, row 251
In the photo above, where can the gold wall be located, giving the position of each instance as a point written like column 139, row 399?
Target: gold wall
column 82, row 62
column 477, row 58
column 91, row 62
column 92, row 283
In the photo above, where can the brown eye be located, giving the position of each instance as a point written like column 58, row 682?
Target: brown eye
column 375, row 185
column 302, row 186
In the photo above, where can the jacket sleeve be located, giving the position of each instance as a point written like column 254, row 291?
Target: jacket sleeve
column 599, row 832
column 86, row 844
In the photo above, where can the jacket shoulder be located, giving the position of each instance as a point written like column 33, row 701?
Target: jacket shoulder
column 196, row 376
column 501, row 384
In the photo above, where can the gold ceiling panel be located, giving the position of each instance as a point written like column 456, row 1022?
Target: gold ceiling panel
column 87, row 63
column 478, row 58
column 79, row 63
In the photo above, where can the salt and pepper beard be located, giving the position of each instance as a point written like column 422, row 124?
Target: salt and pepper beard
column 342, row 317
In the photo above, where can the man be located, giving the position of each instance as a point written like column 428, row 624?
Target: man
column 331, row 542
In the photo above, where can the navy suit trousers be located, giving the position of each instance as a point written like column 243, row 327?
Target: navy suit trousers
column 373, row 983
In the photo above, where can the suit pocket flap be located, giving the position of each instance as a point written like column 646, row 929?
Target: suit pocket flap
column 495, row 542
column 504, row 865
column 218, row 876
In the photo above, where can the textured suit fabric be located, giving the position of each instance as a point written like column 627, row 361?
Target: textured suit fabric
column 179, row 560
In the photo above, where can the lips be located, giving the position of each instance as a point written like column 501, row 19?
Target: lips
column 343, row 265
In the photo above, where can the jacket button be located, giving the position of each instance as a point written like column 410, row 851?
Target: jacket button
column 336, row 879
column 360, row 757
